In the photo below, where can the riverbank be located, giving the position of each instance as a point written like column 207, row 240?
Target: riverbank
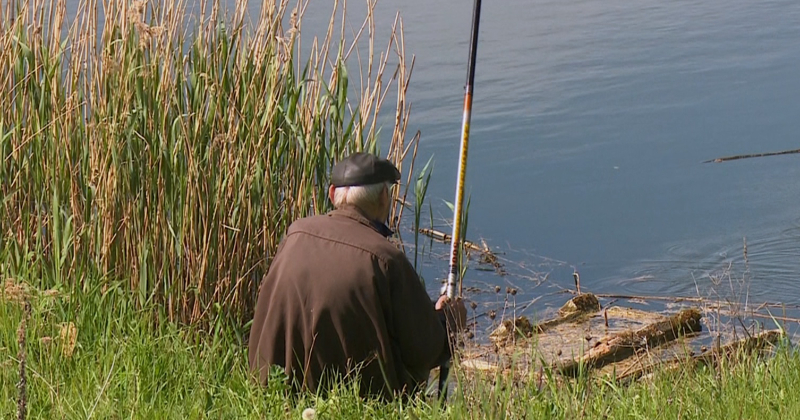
column 148, row 174
column 125, row 364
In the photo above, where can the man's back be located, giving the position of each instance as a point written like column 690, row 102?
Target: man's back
column 339, row 296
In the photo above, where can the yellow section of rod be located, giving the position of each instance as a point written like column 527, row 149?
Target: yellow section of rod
column 453, row 276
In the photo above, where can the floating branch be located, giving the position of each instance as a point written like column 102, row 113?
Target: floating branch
column 737, row 157
column 709, row 357
column 621, row 346
column 487, row 256
column 710, row 302
column 664, row 298
column 443, row 237
column 749, row 344
column 733, row 314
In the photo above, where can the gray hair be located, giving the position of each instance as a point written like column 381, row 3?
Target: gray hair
column 365, row 197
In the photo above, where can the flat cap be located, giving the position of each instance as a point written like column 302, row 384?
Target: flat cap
column 363, row 169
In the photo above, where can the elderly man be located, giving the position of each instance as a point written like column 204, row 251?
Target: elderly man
column 341, row 302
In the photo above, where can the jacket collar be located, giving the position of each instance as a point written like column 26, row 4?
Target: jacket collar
column 356, row 214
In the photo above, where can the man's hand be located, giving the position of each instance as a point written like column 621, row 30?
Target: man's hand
column 455, row 313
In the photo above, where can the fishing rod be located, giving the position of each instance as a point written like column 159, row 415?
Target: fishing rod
column 454, row 274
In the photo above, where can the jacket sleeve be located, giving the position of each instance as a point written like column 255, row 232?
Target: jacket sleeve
column 417, row 327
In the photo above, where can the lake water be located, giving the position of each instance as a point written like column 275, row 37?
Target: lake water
column 591, row 122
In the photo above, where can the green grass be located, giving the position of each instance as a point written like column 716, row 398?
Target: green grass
column 125, row 364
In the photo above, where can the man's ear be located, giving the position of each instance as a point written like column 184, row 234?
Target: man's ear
column 387, row 194
column 388, row 197
column 331, row 190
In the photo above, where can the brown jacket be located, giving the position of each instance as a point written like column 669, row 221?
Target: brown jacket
column 339, row 298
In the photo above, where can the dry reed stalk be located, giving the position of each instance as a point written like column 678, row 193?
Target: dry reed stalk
column 173, row 157
column 68, row 335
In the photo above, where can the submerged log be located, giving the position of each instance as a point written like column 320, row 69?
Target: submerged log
column 621, row 346
column 748, row 345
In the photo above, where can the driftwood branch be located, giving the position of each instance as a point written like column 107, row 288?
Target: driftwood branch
column 711, row 302
column 621, row 346
column 753, row 314
column 737, row 157
column 487, row 256
column 645, row 297
column 709, row 357
column 443, row 237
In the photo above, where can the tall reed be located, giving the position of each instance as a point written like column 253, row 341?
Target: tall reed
column 139, row 145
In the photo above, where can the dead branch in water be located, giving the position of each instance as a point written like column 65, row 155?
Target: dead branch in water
column 764, row 316
column 737, row 157
column 678, row 299
column 715, row 304
column 621, row 346
column 645, row 297
column 487, row 256
column 709, row 357
column 443, row 237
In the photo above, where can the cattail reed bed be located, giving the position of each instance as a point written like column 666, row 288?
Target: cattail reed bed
column 167, row 156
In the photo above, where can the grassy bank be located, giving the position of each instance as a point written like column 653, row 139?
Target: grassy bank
column 97, row 355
